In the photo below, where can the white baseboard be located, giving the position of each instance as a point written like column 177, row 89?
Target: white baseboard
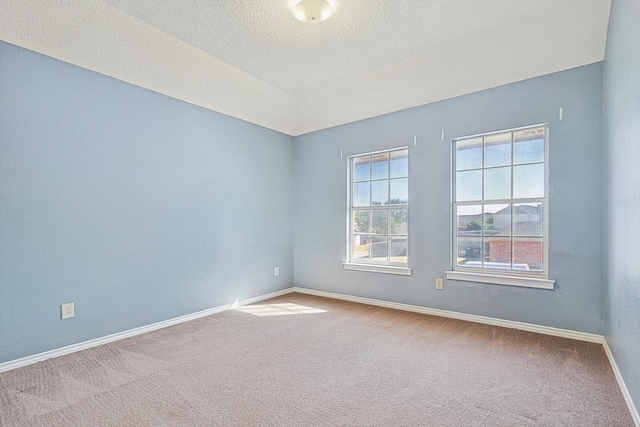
column 546, row 330
column 18, row 363
column 623, row 387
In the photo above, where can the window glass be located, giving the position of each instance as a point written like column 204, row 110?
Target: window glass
column 528, row 146
column 380, row 166
column 497, row 231
column 497, row 150
column 399, row 191
column 527, row 253
column 399, row 164
column 398, row 221
column 527, row 219
column 379, row 221
column 379, row 201
column 469, row 185
column 497, row 183
column 361, row 221
column 469, row 154
column 528, row 181
column 379, row 248
column 361, row 193
column 360, row 247
column 469, row 252
column 380, row 192
column 499, row 201
column 497, row 220
column 398, row 249
column 361, row 168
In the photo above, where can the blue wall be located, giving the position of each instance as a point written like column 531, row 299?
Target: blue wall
column 622, row 190
column 320, row 195
column 139, row 207
column 135, row 206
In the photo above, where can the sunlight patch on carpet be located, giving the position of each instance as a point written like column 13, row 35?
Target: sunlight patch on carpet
column 283, row 309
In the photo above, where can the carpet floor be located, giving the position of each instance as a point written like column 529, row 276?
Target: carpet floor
column 301, row 360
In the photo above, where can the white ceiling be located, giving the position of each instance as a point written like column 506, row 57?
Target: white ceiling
column 251, row 59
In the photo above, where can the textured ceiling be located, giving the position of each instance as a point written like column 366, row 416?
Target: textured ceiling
column 251, row 59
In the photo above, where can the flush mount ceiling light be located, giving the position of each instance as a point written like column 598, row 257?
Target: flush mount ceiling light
column 313, row 11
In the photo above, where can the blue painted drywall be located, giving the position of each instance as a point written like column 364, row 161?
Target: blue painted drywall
column 622, row 190
column 139, row 207
column 320, row 194
column 135, row 206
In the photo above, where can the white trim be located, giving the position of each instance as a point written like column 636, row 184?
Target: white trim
column 623, row 387
column 376, row 268
column 29, row 360
column 528, row 282
column 351, row 208
column 546, row 330
column 510, row 201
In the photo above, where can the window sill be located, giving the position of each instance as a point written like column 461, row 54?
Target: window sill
column 372, row 268
column 527, row 282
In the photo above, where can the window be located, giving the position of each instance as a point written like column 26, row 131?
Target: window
column 378, row 211
column 500, row 205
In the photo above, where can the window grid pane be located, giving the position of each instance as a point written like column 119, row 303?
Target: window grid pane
column 361, row 168
column 497, row 150
column 360, row 247
column 399, row 166
column 380, row 166
column 469, row 154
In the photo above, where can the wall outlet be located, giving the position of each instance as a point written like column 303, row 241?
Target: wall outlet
column 276, row 271
column 439, row 283
column 67, row 310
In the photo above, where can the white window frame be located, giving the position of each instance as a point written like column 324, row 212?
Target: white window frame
column 533, row 279
column 373, row 266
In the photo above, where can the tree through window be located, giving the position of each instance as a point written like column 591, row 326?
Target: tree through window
column 500, row 201
column 378, row 208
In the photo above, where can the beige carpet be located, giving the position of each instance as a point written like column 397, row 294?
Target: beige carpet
column 300, row 360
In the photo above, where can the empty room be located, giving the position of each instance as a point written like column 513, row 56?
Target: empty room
column 319, row 213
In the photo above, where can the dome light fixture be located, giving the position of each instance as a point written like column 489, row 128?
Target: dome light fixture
column 313, row 11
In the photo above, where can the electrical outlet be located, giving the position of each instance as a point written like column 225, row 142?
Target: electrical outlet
column 439, row 283
column 276, row 271
column 67, row 310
